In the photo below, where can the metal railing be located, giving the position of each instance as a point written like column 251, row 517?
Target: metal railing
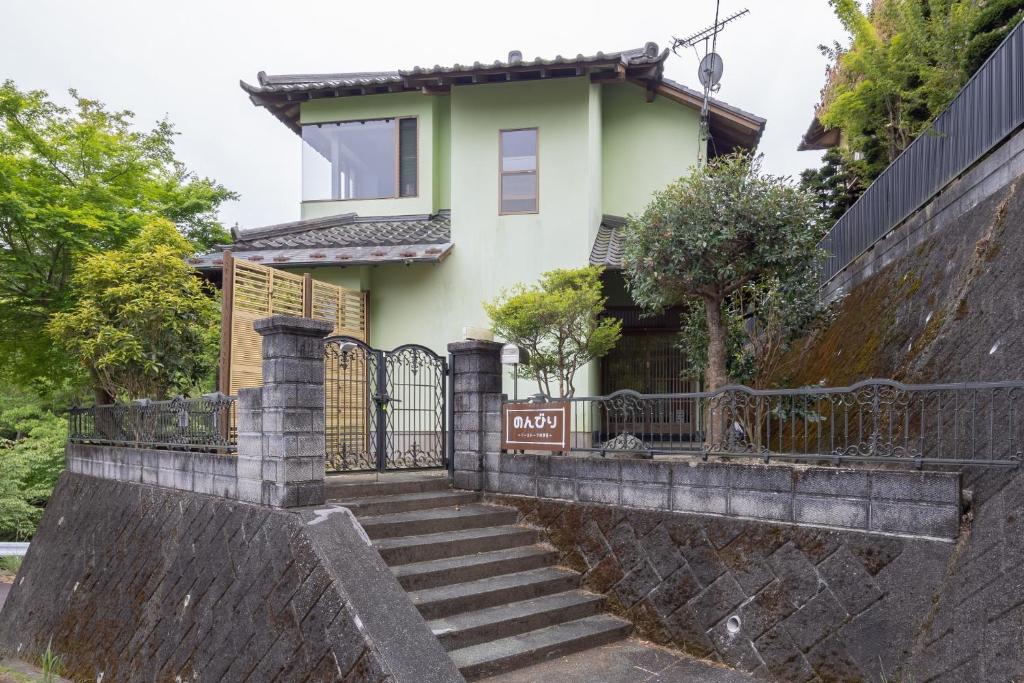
column 204, row 423
column 976, row 423
column 988, row 109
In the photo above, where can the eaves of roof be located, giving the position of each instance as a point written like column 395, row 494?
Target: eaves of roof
column 282, row 95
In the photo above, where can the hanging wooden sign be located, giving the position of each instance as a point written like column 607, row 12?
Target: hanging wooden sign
column 535, row 426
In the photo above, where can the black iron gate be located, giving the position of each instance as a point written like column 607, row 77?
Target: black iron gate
column 385, row 410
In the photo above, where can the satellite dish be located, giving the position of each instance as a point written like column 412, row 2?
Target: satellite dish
column 710, row 70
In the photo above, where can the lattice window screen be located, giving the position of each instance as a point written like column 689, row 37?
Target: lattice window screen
column 257, row 291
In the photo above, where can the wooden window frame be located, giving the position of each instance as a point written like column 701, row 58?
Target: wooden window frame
column 502, row 172
column 398, row 157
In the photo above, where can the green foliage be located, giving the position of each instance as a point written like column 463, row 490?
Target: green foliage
column 903, row 66
column 50, row 663
column 906, row 61
column 836, row 185
column 143, row 324
column 991, row 25
column 706, row 236
column 558, row 322
column 762, row 322
column 10, row 564
column 75, row 182
column 31, row 457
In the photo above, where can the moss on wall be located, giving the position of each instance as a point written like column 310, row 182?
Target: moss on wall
column 948, row 310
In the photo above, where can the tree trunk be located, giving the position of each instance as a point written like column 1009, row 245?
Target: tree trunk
column 717, row 374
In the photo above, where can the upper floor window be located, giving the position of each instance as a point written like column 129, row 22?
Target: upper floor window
column 518, row 171
column 369, row 159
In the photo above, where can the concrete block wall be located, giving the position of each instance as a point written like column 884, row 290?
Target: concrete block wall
column 476, row 396
column 924, row 504
column 209, row 473
column 281, row 452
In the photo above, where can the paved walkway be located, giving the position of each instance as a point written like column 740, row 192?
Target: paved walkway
column 626, row 661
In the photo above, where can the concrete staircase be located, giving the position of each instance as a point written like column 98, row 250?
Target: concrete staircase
column 488, row 589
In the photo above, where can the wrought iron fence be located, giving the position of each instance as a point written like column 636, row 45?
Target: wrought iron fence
column 203, row 423
column 988, row 109
column 871, row 421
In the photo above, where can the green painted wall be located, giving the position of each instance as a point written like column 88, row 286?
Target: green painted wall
column 442, row 152
column 379, row 106
column 646, row 146
column 602, row 149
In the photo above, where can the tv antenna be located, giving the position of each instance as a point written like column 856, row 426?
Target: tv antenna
column 709, row 73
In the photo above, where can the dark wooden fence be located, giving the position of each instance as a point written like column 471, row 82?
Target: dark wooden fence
column 987, row 110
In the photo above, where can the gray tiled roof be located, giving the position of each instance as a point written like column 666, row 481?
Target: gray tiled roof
column 344, row 239
column 282, row 94
column 349, row 230
column 607, row 249
column 268, row 83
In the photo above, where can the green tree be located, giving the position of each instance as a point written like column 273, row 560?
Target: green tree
column 762, row 320
column 558, row 321
column 991, row 25
column 903, row 66
column 32, row 441
column 705, row 237
column 836, row 184
column 75, row 182
column 143, row 324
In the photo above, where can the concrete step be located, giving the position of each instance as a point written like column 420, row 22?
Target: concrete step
column 477, row 661
column 406, row 502
column 449, row 570
column 406, row 549
column 436, row 520
column 444, row 601
column 492, row 623
column 349, row 486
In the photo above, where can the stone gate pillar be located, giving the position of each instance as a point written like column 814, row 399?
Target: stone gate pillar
column 281, row 447
column 476, row 397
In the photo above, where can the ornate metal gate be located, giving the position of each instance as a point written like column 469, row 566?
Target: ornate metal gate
column 385, row 410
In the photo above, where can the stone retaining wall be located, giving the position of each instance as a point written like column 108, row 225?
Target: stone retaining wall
column 788, row 603
column 132, row 582
column 896, row 502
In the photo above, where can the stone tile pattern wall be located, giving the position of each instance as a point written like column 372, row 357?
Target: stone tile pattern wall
column 976, row 632
column 813, row 604
column 140, row 583
column 903, row 502
column 209, row 473
column 476, row 398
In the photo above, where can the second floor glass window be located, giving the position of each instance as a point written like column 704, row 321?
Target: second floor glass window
column 368, row 159
column 518, row 171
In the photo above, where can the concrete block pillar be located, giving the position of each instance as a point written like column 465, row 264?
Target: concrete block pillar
column 476, row 397
column 287, row 416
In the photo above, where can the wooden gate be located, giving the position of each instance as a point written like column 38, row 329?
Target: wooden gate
column 252, row 291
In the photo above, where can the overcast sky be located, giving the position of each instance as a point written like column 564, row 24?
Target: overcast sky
column 182, row 59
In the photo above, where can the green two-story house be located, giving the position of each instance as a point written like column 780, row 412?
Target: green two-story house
column 433, row 189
